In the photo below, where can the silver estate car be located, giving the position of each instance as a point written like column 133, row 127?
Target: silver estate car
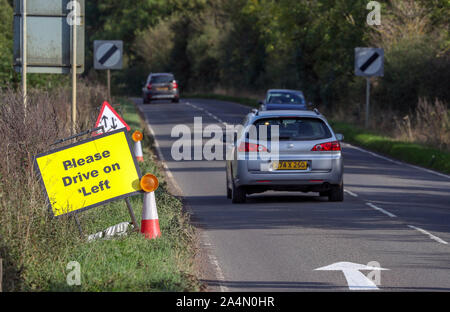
column 309, row 157
column 160, row 86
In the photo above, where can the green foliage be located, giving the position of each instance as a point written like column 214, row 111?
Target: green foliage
column 6, row 18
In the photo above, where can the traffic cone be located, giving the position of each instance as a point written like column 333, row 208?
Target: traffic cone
column 150, row 221
column 137, row 138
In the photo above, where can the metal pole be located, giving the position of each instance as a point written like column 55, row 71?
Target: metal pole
column 367, row 102
column 1, row 274
column 133, row 218
column 77, row 221
column 74, row 71
column 108, row 75
column 24, row 55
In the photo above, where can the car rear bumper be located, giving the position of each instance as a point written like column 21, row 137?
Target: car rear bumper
column 279, row 180
column 162, row 96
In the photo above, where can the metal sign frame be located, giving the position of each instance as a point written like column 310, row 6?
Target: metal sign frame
column 124, row 196
column 48, row 33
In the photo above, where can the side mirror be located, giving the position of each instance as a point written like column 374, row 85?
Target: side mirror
column 339, row 137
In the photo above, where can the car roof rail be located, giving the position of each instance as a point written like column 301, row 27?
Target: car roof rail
column 315, row 110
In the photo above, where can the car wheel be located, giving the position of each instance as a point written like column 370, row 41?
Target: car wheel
column 229, row 192
column 336, row 193
column 238, row 195
column 175, row 100
column 323, row 193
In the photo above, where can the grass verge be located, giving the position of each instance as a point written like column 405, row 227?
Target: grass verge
column 130, row 263
column 413, row 153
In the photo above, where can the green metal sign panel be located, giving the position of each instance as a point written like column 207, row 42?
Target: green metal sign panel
column 49, row 36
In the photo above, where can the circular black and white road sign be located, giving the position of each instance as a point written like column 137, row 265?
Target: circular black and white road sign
column 369, row 62
column 108, row 54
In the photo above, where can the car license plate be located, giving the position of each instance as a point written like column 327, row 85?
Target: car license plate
column 162, row 89
column 291, row 165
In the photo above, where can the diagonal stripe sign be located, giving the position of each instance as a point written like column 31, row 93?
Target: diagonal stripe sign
column 369, row 62
column 108, row 54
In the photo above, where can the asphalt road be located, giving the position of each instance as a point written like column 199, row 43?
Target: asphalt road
column 393, row 213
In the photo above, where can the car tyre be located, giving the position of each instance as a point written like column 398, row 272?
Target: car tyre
column 229, row 190
column 336, row 193
column 238, row 195
column 176, row 100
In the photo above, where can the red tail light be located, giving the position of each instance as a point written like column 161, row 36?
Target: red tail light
column 149, row 86
column 326, row 147
column 174, row 85
column 251, row 147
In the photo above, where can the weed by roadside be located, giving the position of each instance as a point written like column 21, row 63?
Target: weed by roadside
column 37, row 248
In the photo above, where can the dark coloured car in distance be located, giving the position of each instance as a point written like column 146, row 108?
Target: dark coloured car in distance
column 283, row 99
column 161, row 86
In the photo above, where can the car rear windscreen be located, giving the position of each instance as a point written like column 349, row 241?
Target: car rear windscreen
column 162, row 79
column 294, row 129
column 286, row 98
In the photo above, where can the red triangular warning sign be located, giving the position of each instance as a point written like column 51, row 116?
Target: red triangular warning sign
column 109, row 119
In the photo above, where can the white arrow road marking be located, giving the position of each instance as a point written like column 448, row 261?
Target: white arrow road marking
column 355, row 279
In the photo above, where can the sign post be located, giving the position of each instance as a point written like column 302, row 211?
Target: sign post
column 24, row 56
column 74, row 70
column 369, row 62
column 366, row 123
column 49, row 38
column 1, row 275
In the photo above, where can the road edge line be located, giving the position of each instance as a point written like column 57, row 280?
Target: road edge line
column 381, row 210
column 398, row 162
column 211, row 257
column 433, row 237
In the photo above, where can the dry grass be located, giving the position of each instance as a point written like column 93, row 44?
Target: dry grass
column 26, row 232
column 430, row 124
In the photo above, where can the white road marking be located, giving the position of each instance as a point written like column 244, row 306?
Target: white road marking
column 399, row 162
column 219, row 273
column 435, row 238
column 350, row 193
column 355, row 279
column 208, row 113
column 381, row 210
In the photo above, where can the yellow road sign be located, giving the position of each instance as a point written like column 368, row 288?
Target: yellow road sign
column 89, row 173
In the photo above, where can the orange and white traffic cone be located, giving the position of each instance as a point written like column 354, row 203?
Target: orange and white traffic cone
column 150, row 221
column 137, row 138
